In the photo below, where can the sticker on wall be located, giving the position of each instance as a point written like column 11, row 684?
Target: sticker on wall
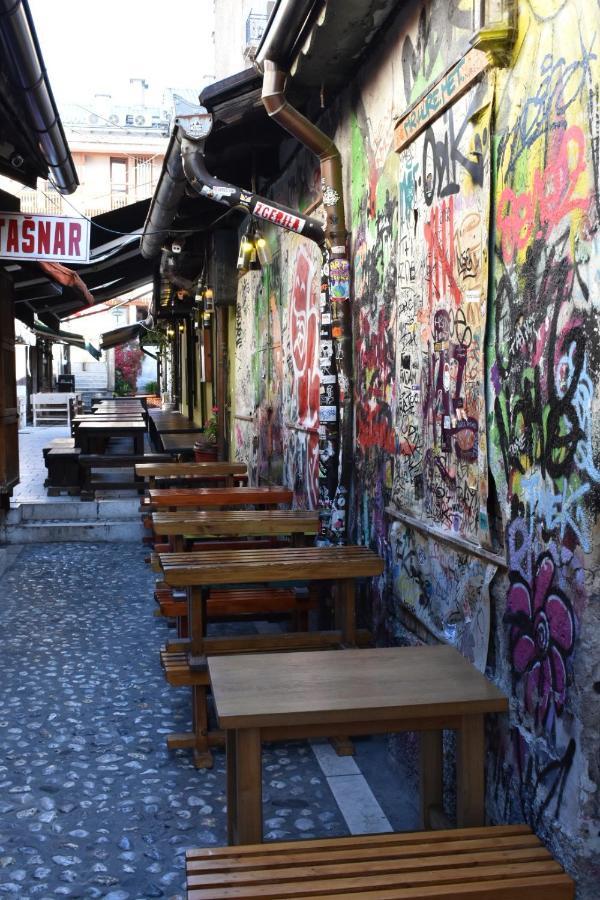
column 328, row 413
column 330, row 196
column 217, row 192
column 339, row 279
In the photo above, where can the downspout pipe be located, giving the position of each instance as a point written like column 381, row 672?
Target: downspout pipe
column 315, row 140
column 207, row 185
column 166, row 199
column 22, row 49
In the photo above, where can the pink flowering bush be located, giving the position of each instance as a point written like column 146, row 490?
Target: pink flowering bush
column 128, row 365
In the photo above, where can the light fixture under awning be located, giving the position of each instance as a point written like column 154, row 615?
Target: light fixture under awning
column 64, row 337
column 124, row 334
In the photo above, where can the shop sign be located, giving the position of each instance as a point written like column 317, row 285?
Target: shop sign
column 48, row 238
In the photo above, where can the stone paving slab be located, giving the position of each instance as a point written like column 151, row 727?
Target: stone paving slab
column 91, row 802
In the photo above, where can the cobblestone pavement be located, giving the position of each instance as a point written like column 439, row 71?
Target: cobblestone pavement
column 31, row 463
column 91, row 802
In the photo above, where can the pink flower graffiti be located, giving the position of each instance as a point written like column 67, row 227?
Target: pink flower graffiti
column 542, row 636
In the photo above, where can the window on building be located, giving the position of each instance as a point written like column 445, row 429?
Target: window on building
column 118, row 176
column 143, row 177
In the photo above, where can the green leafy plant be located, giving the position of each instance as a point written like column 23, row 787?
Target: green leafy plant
column 210, row 427
column 151, row 387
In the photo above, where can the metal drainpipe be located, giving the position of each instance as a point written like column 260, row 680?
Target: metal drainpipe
column 338, row 274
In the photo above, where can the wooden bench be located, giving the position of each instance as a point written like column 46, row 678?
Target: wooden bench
column 502, row 862
column 177, row 672
column 243, row 603
column 63, row 471
column 180, row 473
column 211, row 498
column 91, row 461
column 65, row 443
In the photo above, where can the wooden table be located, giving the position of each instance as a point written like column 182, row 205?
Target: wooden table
column 207, row 498
column 177, row 444
column 229, row 472
column 173, row 422
column 234, row 523
column 107, row 428
column 198, row 571
column 376, row 691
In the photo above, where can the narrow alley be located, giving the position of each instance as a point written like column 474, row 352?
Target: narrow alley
column 299, row 449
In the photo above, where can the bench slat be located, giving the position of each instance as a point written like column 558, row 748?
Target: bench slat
column 503, row 862
column 371, row 882
column 376, row 849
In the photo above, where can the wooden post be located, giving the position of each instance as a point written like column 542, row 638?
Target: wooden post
column 470, row 760
column 432, row 780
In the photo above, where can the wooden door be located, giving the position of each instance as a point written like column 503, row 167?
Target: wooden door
column 9, row 423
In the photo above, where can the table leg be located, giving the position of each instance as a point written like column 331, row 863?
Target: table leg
column 470, row 760
column 345, row 610
column 231, row 767
column 432, row 781
column 196, row 626
column 138, row 444
column 178, row 543
column 244, row 788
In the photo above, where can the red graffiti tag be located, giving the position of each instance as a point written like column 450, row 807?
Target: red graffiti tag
column 304, row 340
column 373, row 414
column 439, row 234
column 550, row 199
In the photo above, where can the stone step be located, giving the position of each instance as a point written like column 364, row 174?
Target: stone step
column 50, row 531
column 75, row 509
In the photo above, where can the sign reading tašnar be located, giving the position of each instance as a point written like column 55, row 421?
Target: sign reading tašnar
column 278, row 217
column 50, row 238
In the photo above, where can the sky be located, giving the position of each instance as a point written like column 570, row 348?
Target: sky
column 95, row 46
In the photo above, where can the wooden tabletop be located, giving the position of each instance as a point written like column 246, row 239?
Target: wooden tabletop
column 170, row 421
column 236, row 522
column 229, row 496
column 346, row 686
column 273, row 564
column 112, row 424
column 190, row 469
column 177, row 443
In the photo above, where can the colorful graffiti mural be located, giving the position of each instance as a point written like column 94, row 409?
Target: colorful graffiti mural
column 277, row 370
column 447, row 590
column 543, row 364
column 439, row 406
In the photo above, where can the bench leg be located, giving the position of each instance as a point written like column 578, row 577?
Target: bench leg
column 203, row 758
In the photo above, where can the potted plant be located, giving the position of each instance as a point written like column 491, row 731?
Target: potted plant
column 205, row 449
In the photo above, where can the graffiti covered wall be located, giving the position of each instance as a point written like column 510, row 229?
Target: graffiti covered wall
column 476, row 255
column 543, row 365
column 439, row 410
column 475, row 259
column 277, row 369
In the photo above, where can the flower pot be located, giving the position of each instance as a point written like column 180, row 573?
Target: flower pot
column 205, row 452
